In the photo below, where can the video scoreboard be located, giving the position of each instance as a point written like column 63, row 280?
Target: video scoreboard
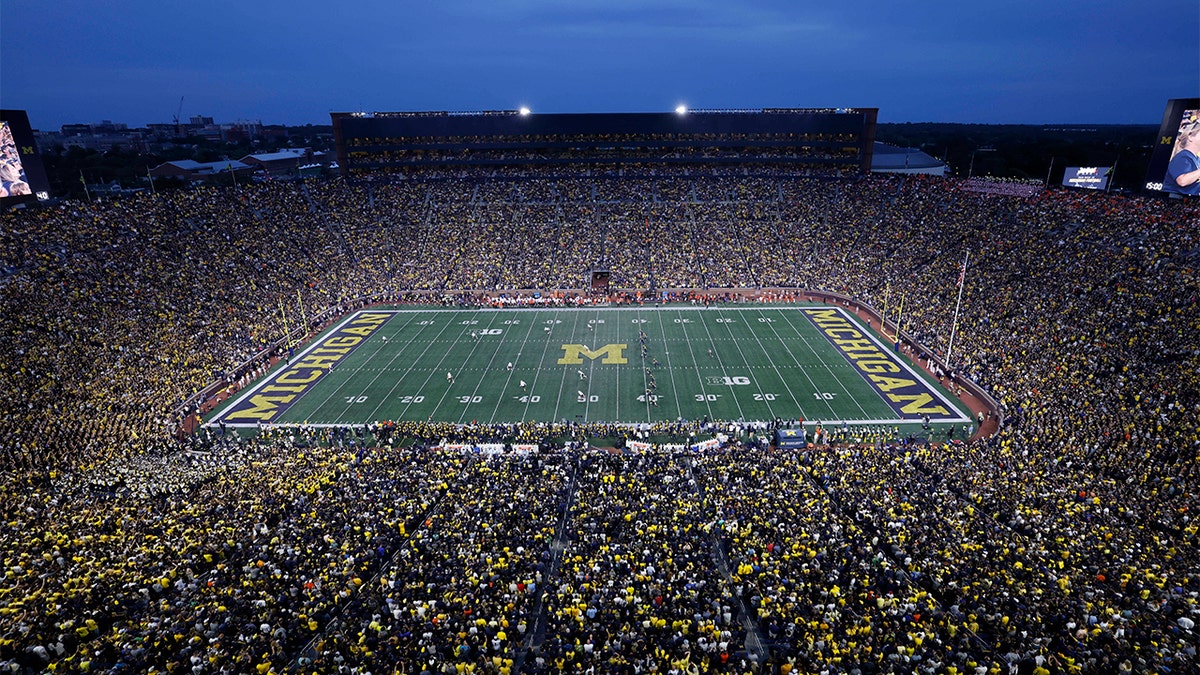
column 22, row 174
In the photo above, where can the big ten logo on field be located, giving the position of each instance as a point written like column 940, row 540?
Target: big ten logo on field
column 574, row 354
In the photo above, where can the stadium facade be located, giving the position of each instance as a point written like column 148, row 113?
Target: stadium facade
column 809, row 141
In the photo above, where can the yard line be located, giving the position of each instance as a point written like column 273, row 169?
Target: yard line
column 645, row 380
column 717, row 353
column 563, row 381
column 736, row 343
column 843, row 387
column 337, row 391
column 395, row 356
column 670, row 368
column 368, row 365
column 436, row 369
column 617, row 387
column 587, row 406
column 798, row 364
column 476, row 343
column 508, row 380
column 696, row 366
column 775, row 367
column 538, row 370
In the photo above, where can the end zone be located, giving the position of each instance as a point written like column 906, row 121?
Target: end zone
column 275, row 394
column 905, row 391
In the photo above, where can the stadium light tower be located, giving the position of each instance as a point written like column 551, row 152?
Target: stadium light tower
column 681, row 109
column 971, row 168
column 524, row 110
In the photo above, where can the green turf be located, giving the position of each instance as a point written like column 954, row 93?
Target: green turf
column 765, row 363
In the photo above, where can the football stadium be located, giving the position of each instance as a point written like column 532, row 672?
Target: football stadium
column 602, row 393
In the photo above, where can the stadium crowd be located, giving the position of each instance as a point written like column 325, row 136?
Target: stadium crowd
column 1065, row 542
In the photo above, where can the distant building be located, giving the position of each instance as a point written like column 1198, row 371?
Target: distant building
column 191, row 170
column 159, row 130
column 76, row 129
column 892, row 159
column 211, row 132
column 242, row 130
column 48, row 139
column 106, row 141
column 109, row 126
column 200, row 120
column 102, row 127
column 275, row 134
column 101, row 136
column 284, row 162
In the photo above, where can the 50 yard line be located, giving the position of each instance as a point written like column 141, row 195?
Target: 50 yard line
column 562, row 383
column 587, row 406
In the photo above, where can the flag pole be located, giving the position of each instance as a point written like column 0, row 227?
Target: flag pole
column 85, row 187
column 887, row 291
column 303, row 321
column 962, row 276
column 287, row 330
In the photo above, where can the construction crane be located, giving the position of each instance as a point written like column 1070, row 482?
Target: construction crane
column 178, row 126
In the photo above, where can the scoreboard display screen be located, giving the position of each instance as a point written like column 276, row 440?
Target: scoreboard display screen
column 1175, row 165
column 1087, row 177
column 22, row 175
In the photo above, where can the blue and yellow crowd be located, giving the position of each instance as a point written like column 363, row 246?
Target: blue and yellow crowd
column 1065, row 542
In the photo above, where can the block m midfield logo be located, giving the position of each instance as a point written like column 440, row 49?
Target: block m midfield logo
column 574, row 354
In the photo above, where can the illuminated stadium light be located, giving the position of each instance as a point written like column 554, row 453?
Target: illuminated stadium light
column 681, row 109
column 524, row 110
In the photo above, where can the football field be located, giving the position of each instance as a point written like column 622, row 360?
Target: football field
column 624, row 365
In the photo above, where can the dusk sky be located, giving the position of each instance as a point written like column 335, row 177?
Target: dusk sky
column 1018, row 61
